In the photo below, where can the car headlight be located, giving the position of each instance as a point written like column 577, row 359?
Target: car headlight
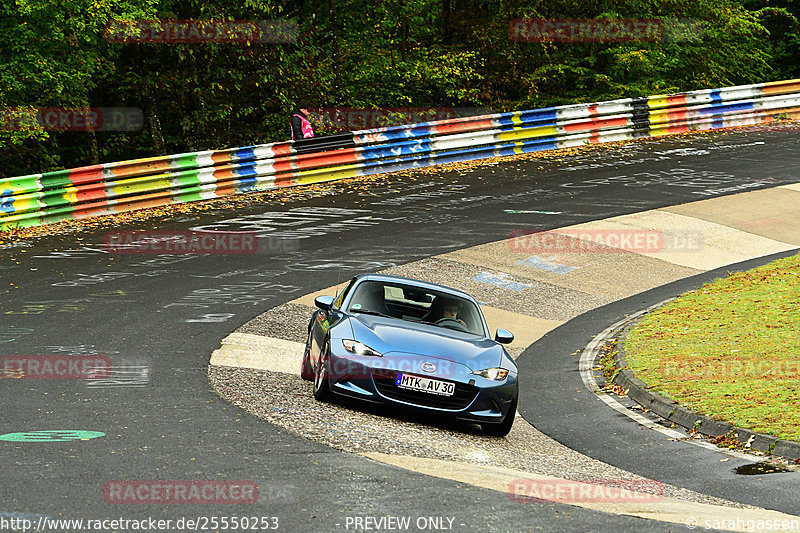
column 495, row 374
column 359, row 348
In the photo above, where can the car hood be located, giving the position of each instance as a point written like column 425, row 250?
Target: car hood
column 391, row 335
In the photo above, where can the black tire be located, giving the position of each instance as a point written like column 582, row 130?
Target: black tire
column 306, row 372
column 502, row 429
column 322, row 385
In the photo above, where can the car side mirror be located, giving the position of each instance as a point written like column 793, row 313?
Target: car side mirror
column 324, row 302
column 504, row 336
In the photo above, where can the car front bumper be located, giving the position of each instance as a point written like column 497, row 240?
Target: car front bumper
column 374, row 379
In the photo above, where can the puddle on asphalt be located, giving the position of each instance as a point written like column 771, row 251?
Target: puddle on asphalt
column 755, row 469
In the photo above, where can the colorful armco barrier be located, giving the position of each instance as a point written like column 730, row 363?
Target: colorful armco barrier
column 126, row 185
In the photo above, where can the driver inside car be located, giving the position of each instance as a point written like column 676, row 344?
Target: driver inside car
column 450, row 310
column 444, row 308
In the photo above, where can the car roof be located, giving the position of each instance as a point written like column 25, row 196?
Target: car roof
column 415, row 282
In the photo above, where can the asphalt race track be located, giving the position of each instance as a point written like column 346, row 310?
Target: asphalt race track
column 158, row 317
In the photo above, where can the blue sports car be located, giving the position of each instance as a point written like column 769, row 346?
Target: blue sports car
column 418, row 345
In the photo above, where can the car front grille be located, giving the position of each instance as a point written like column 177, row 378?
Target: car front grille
column 461, row 398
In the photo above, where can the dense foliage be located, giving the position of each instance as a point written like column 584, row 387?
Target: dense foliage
column 349, row 53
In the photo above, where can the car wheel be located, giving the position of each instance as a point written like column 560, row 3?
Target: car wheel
column 322, row 387
column 306, row 372
column 502, row 429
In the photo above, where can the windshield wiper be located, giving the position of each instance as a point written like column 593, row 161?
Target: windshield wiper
column 368, row 312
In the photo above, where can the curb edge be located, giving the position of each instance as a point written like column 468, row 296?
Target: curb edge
column 669, row 409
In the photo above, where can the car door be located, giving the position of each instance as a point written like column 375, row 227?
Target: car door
column 322, row 321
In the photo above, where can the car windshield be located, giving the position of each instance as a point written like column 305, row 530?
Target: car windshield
column 416, row 304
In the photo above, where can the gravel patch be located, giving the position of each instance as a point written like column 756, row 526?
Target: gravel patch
column 541, row 300
column 288, row 322
column 287, row 401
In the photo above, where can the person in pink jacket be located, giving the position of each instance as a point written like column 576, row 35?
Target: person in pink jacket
column 300, row 126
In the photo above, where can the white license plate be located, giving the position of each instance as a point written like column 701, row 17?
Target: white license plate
column 431, row 386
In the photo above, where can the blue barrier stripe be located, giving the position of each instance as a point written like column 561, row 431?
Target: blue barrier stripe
column 407, row 133
column 406, row 165
column 245, row 182
column 245, row 169
column 244, row 154
column 534, row 142
column 546, row 116
column 726, row 108
column 527, row 147
column 455, row 155
column 7, row 201
column 394, row 149
column 464, row 155
column 456, row 151
column 394, row 160
column 548, row 113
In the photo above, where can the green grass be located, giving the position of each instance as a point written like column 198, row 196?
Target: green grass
column 730, row 349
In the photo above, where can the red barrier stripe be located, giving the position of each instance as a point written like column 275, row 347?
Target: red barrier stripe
column 282, row 165
column 673, row 116
column 224, row 189
column 678, row 129
column 126, row 204
column 90, row 195
column 110, row 209
column 459, row 127
column 594, row 124
column 85, row 175
column 339, row 157
column 284, row 180
column 676, row 99
column 281, row 149
column 136, row 168
column 154, row 202
column 224, row 173
column 221, row 157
